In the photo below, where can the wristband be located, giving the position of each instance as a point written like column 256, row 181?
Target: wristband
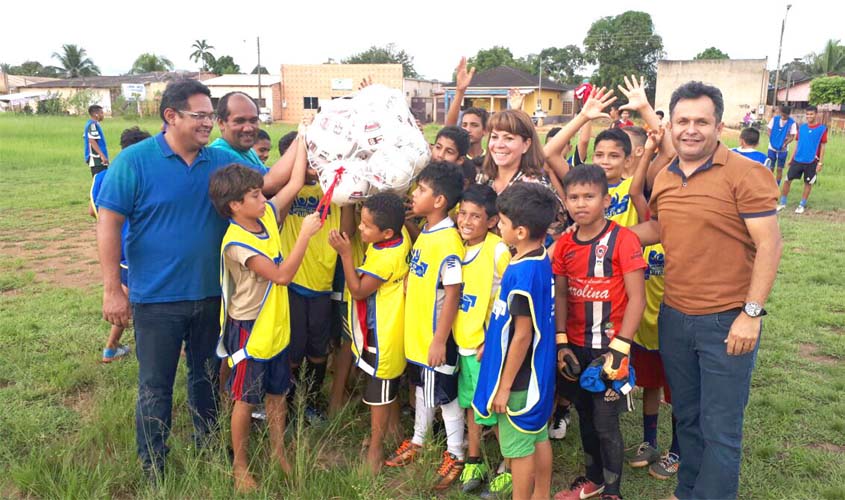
column 561, row 338
column 621, row 345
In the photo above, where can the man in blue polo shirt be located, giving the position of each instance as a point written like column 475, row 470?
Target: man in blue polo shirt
column 161, row 187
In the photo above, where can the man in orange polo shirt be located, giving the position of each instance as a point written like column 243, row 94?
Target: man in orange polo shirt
column 714, row 212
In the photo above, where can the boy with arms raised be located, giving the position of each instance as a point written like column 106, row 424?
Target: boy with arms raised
column 255, row 319
column 433, row 296
column 483, row 266
column 376, row 311
column 516, row 380
column 599, row 302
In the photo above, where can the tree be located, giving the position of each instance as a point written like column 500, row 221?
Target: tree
column 389, row 54
column 31, row 68
column 147, row 63
column 202, row 53
column 74, row 62
column 623, row 45
column 491, row 58
column 831, row 60
column 256, row 70
column 827, row 90
column 561, row 64
column 224, row 65
column 711, row 53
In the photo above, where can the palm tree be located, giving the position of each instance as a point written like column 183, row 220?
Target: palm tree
column 147, row 63
column 832, row 60
column 74, row 62
column 202, row 52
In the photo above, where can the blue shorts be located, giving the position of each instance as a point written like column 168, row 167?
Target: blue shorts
column 250, row 380
column 777, row 158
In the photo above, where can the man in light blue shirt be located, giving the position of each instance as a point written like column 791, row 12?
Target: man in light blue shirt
column 237, row 118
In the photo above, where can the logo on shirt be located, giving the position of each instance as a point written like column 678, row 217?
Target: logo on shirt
column 617, row 205
column 588, row 290
column 416, row 265
column 601, row 251
column 500, row 307
column 655, row 264
column 468, row 302
column 305, row 206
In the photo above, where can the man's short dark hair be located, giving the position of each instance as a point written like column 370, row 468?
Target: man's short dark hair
column 750, row 136
column 457, row 135
column 223, row 105
column 636, row 134
column 177, row 93
column 132, row 136
column 482, row 195
column 787, row 110
column 444, row 178
column 262, row 135
column 232, row 183
column 285, row 141
column 480, row 113
column 530, row 205
column 586, row 174
column 94, row 108
column 553, row 132
column 616, row 135
column 694, row 90
column 387, row 210
column 660, row 113
column 811, row 108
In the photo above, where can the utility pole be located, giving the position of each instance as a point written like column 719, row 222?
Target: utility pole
column 780, row 48
column 258, row 46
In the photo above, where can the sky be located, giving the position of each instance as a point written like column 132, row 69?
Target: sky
column 312, row 32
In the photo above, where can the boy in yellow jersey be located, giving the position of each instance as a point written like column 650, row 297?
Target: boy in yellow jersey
column 255, row 327
column 483, row 266
column 376, row 311
column 432, row 297
column 310, row 293
column 612, row 152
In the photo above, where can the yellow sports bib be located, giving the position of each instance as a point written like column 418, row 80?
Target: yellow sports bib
column 271, row 333
column 621, row 210
column 317, row 270
column 476, row 295
column 389, row 264
column 646, row 335
column 430, row 252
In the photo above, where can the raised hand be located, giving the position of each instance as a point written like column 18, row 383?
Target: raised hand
column 655, row 137
column 304, row 124
column 463, row 77
column 365, row 82
column 634, row 91
column 599, row 100
column 515, row 98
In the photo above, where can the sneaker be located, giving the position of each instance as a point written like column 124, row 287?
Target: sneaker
column 118, row 352
column 405, row 454
column 559, row 425
column 666, row 467
column 500, row 486
column 581, row 489
column 314, row 416
column 259, row 414
column 473, row 476
column 799, row 209
column 450, row 469
column 779, row 207
column 643, row 456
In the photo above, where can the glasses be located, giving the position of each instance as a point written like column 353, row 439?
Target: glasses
column 198, row 116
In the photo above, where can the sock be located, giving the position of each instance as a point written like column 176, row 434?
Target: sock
column 783, row 200
column 650, row 430
column 803, row 202
column 675, row 447
column 315, row 374
column 473, row 460
column 423, row 417
column 453, row 420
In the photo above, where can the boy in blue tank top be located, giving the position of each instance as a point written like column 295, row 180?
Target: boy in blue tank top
column 782, row 131
column 807, row 160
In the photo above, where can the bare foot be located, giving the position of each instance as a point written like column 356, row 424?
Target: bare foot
column 244, row 482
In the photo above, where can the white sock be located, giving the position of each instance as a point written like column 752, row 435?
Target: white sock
column 423, row 417
column 453, row 420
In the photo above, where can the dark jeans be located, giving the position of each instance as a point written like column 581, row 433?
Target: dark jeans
column 160, row 331
column 709, row 394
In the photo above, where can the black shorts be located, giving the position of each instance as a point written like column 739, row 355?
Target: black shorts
column 340, row 330
column 96, row 165
column 310, row 326
column 609, row 400
column 379, row 391
column 798, row 170
column 438, row 388
column 250, row 380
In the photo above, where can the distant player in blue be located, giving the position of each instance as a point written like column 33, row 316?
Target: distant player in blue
column 807, row 160
column 748, row 140
column 96, row 152
column 782, row 131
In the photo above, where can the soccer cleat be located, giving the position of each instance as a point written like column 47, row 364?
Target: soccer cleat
column 666, row 467
column 501, row 486
column 799, row 209
column 473, row 476
column 560, row 424
column 643, row 456
column 405, row 454
column 779, row 207
column 581, row 489
column 450, row 469
column 118, row 352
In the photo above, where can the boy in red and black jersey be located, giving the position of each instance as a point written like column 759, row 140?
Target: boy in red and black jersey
column 599, row 302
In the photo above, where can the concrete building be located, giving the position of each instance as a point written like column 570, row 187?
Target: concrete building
column 11, row 84
column 420, row 96
column 248, row 84
column 305, row 86
column 743, row 83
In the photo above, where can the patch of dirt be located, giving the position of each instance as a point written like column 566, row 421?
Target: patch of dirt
column 833, row 448
column 800, row 250
column 838, row 330
column 835, row 216
column 810, row 352
column 80, row 399
column 65, row 257
column 6, row 383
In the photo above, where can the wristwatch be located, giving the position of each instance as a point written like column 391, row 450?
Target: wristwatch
column 753, row 309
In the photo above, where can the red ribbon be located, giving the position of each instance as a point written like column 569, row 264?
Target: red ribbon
column 326, row 200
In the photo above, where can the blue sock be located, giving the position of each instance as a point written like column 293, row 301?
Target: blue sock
column 803, row 202
column 674, row 447
column 783, row 200
column 650, row 429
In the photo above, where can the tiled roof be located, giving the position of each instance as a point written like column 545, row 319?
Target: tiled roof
column 507, row 77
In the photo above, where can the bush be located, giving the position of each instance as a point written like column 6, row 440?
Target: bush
column 52, row 105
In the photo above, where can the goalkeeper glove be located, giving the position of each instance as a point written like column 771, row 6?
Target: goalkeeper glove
column 567, row 363
column 616, row 360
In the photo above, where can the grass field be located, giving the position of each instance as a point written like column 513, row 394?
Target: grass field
column 67, row 421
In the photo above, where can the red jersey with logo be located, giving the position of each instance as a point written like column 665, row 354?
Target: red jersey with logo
column 596, row 298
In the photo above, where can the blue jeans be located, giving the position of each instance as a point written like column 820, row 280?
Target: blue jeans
column 709, row 394
column 160, row 331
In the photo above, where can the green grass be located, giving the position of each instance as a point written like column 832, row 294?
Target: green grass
column 67, row 422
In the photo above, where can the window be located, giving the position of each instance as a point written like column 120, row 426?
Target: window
column 550, row 105
column 567, row 107
column 310, row 102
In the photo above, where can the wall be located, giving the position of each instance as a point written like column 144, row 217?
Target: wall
column 99, row 96
column 743, row 83
column 797, row 93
